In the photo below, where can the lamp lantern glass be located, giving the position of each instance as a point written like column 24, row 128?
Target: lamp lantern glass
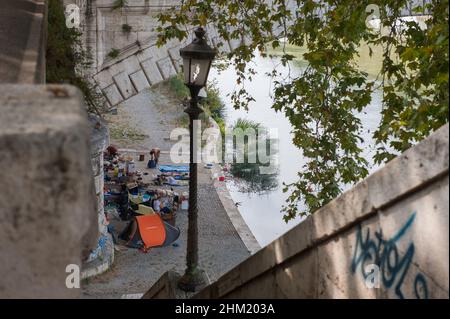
column 197, row 60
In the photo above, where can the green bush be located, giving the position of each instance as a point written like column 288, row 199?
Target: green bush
column 65, row 57
column 213, row 103
column 244, row 124
column 126, row 28
column 177, row 86
column 247, row 175
column 114, row 53
column 118, row 4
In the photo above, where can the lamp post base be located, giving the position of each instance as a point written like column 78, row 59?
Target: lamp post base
column 193, row 281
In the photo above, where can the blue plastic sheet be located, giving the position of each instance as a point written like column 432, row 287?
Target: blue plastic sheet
column 173, row 169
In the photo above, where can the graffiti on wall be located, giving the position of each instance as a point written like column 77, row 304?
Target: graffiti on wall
column 393, row 265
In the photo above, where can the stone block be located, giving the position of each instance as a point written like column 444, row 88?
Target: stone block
column 124, row 85
column 416, row 166
column 167, row 68
column 350, row 206
column 340, row 266
column 144, row 55
column 48, row 217
column 264, row 287
column 298, row 277
column 98, row 183
column 139, row 81
column 158, row 53
column 131, row 65
column 416, row 230
column 151, row 71
column 167, row 287
column 103, row 79
column 144, row 35
column 285, row 247
column 113, row 95
column 115, row 68
column 119, row 39
column 174, row 54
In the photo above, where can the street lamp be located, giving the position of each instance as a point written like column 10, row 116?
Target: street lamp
column 197, row 60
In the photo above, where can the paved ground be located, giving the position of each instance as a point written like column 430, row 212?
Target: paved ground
column 220, row 247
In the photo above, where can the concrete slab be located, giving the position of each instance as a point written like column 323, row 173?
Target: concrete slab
column 113, row 95
column 139, row 81
column 166, row 67
column 124, row 85
column 151, row 71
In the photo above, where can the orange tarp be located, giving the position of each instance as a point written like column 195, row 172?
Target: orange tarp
column 151, row 228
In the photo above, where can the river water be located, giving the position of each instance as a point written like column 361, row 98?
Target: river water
column 262, row 212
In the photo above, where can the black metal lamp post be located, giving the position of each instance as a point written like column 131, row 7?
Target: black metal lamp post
column 197, row 60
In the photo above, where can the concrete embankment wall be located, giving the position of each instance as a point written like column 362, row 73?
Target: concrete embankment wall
column 138, row 67
column 388, row 237
column 140, row 63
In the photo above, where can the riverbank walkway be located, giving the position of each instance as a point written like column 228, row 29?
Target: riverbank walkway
column 220, row 246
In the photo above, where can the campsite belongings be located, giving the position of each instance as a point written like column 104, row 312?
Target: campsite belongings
column 120, row 168
column 174, row 168
column 133, row 199
column 151, row 164
column 173, row 175
column 163, row 202
column 145, row 232
column 154, row 158
column 154, row 154
column 172, row 180
column 184, row 201
column 223, row 174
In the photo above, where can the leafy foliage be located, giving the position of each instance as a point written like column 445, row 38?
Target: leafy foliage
column 65, row 57
column 415, row 84
column 212, row 105
column 126, row 28
column 247, row 175
column 177, row 85
column 119, row 4
column 323, row 102
column 114, row 53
